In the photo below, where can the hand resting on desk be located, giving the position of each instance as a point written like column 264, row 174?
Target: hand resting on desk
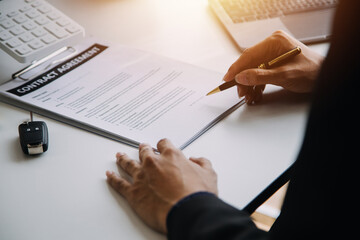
column 297, row 75
column 159, row 181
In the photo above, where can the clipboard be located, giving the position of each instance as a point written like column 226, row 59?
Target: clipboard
column 68, row 51
column 161, row 89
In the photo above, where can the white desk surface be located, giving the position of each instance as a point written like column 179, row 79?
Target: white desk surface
column 63, row 194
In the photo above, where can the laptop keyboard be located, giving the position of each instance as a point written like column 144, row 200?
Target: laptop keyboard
column 252, row 10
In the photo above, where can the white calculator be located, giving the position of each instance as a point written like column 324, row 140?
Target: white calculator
column 33, row 29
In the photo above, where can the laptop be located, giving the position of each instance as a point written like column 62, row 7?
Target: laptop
column 250, row 21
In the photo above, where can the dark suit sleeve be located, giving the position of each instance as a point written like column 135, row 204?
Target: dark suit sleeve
column 204, row 216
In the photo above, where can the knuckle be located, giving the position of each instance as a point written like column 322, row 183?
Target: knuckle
column 130, row 165
column 149, row 161
column 140, row 175
column 124, row 163
column 170, row 152
column 278, row 36
column 144, row 149
column 279, row 33
column 203, row 160
column 207, row 161
column 120, row 187
column 134, row 192
column 247, row 53
column 162, row 143
column 135, row 195
column 281, row 39
column 164, row 140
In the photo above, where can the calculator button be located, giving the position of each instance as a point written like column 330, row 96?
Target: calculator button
column 53, row 16
column 35, row 44
column 25, row 9
column 62, row 22
column 48, row 39
column 36, row 4
column 56, row 31
column 13, row 43
column 32, row 14
column 29, row 25
column 39, row 32
column 7, row 24
column 44, row 9
column 16, row 30
column 41, row 20
column 20, row 19
column 5, row 36
column 26, row 37
column 72, row 29
column 12, row 14
column 23, row 50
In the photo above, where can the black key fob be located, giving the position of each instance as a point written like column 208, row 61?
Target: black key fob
column 34, row 137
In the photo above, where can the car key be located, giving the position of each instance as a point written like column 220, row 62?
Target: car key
column 34, row 137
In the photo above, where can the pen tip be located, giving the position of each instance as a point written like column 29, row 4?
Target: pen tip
column 213, row 91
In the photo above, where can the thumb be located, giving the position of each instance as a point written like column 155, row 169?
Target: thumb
column 254, row 77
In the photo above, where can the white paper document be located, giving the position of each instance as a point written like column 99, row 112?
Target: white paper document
column 127, row 94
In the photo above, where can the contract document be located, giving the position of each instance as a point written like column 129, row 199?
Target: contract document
column 126, row 94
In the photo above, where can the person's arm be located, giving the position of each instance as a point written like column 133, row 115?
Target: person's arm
column 297, row 75
column 203, row 216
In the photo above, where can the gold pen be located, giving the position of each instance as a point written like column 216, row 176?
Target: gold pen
column 265, row 65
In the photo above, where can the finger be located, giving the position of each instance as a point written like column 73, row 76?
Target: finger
column 146, row 152
column 255, row 94
column 258, row 93
column 164, row 144
column 118, row 183
column 243, row 90
column 242, row 63
column 127, row 164
column 250, row 58
column 265, row 50
column 249, row 98
column 203, row 162
column 254, row 77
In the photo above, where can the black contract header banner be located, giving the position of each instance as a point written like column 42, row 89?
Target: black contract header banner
column 58, row 71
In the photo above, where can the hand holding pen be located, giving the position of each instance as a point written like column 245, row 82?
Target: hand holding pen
column 297, row 74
